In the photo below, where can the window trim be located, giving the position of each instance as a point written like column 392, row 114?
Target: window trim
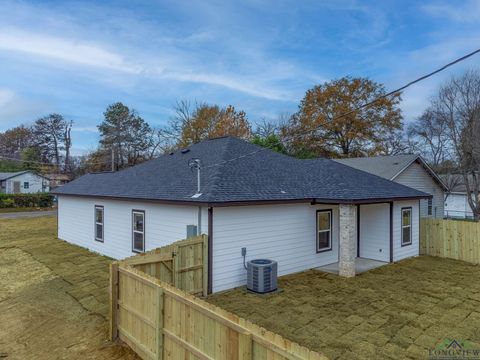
column 26, row 183
column 95, row 223
column 409, row 208
column 317, row 231
column 142, row 212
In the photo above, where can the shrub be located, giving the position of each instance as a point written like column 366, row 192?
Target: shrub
column 7, row 203
column 26, row 200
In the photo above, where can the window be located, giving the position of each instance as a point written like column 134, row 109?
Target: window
column 324, row 230
column 26, row 185
column 406, row 226
column 99, row 223
column 429, row 207
column 138, row 231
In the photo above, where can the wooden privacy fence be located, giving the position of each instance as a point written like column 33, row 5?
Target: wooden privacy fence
column 184, row 264
column 452, row 239
column 159, row 321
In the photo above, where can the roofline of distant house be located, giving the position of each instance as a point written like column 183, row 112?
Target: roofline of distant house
column 427, row 167
column 311, row 201
column 18, row 173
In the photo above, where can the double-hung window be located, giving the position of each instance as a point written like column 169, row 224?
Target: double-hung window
column 406, row 226
column 324, row 230
column 99, row 223
column 138, row 231
column 26, row 184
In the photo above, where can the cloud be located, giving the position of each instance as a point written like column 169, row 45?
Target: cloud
column 468, row 11
column 85, row 129
column 90, row 54
column 63, row 49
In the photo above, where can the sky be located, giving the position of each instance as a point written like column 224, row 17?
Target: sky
column 77, row 57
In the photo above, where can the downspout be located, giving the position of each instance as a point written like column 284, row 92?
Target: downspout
column 210, row 251
column 199, row 225
column 358, row 230
column 391, row 231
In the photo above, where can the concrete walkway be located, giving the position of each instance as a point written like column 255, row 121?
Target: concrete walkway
column 27, row 214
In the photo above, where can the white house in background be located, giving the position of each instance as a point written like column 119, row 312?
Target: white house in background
column 302, row 213
column 456, row 200
column 410, row 170
column 23, row 182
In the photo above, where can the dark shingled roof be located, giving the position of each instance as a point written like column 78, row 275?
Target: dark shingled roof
column 260, row 175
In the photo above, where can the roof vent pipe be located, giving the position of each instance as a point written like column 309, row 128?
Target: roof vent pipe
column 195, row 164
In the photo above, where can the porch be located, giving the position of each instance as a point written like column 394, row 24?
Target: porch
column 361, row 265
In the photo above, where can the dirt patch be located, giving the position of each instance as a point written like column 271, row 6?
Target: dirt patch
column 18, row 270
column 53, row 296
column 397, row 311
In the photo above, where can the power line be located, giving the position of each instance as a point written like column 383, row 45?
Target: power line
column 398, row 90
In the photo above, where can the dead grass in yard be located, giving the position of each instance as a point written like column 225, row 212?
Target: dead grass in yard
column 394, row 312
column 53, row 296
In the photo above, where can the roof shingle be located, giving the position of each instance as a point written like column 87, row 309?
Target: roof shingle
column 260, row 175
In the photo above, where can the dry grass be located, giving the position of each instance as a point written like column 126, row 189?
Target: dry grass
column 53, row 296
column 394, row 312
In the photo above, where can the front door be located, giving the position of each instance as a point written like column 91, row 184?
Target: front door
column 16, row 187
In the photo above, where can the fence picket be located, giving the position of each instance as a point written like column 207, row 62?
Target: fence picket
column 452, row 239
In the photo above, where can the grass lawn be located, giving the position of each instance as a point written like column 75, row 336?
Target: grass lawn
column 398, row 311
column 24, row 209
column 53, row 296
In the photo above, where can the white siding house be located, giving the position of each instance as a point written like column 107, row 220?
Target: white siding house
column 408, row 170
column 285, row 233
column 416, row 177
column 23, row 182
column 304, row 214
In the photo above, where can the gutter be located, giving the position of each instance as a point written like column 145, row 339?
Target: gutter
column 210, row 204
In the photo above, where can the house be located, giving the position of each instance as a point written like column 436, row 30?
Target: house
column 302, row 213
column 22, row 182
column 410, row 170
column 57, row 179
column 456, row 200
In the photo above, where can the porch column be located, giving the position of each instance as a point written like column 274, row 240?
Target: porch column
column 348, row 240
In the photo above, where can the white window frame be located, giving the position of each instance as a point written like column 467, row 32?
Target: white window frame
column 26, row 185
column 142, row 213
column 101, row 208
column 329, row 230
column 409, row 209
column 430, row 206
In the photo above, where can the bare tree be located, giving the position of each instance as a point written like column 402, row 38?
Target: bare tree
column 429, row 135
column 458, row 106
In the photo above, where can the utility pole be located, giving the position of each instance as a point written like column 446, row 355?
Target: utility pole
column 113, row 159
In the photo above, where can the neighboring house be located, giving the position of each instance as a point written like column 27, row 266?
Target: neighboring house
column 408, row 170
column 23, row 182
column 302, row 213
column 57, row 179
column 456, row 200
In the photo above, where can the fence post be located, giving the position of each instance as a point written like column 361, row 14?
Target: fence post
column 113, row 301
column 245, row 345
column 175, row 265
column 159, row 323
column 205, row 264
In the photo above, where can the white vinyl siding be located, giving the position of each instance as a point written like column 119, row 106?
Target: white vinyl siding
column 164, row 224
column 285, row 233
column 375, row 232
column 415, row 176
column 401, row 252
